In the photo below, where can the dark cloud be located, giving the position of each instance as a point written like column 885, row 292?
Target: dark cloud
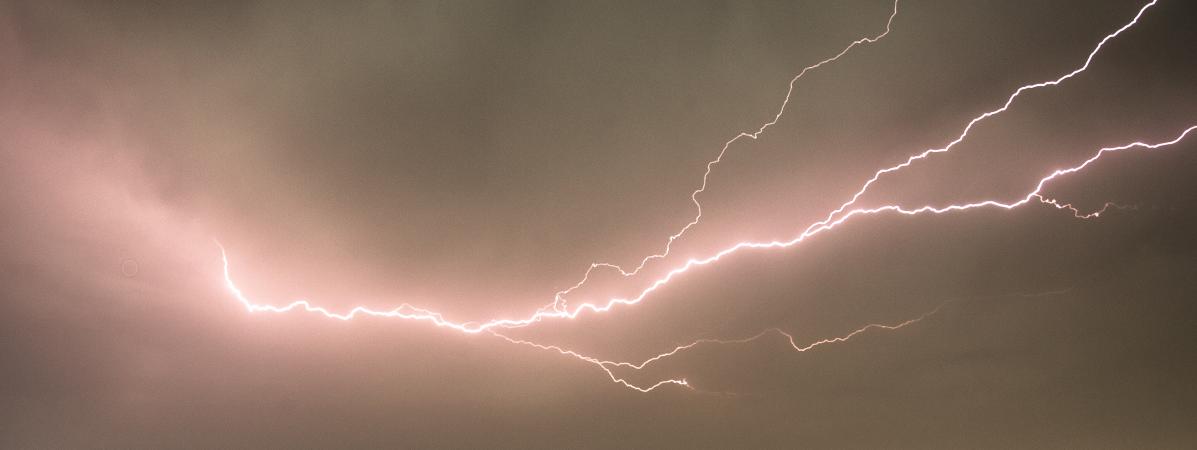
column 474, row 158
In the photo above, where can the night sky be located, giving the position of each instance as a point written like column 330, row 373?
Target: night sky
column 473, row 158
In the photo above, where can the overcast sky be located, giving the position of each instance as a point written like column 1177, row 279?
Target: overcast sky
column 474, row 158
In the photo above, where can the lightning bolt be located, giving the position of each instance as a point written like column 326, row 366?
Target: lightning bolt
column 1035, row 194
column 559, row 297
column 964, row 134
column 558, row 309
column 1091, row 215
column 607, row 366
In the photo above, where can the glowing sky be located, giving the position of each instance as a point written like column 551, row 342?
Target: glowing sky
column 472, row 160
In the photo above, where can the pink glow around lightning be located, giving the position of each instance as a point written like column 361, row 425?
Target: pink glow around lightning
column 558, row 309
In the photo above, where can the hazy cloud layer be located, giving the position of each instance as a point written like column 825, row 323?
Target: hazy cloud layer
column 474, row 158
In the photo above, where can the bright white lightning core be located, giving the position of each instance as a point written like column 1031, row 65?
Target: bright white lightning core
column 560, row 309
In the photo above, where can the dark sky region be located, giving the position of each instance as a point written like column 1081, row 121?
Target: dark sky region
column 475, row 157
